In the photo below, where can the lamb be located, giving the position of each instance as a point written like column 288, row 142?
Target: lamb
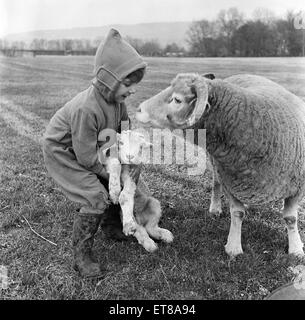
column 126, row 152
column 255, row 138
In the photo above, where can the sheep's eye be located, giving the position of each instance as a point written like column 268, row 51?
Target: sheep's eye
column 121, row 143
column 178, row 101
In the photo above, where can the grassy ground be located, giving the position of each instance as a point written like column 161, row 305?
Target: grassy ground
column 195, row 266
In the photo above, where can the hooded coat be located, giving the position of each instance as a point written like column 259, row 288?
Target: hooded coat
column 70, row 142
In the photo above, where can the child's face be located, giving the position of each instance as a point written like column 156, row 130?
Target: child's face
column 125, row 89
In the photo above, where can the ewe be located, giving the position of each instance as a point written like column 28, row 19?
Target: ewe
column 255, row 137
column 118, row 160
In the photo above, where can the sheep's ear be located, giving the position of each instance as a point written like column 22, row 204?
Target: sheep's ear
column 200, row 88
column 210, row 76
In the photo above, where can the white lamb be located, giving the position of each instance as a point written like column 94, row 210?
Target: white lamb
column 118, row 160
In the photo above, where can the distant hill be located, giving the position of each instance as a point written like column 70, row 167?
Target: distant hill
column 165, row 33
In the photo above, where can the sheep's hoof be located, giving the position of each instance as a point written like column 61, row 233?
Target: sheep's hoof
column 296, row 248
column 130, row 228
column 297, row 253
column 233, row 250
column 215, row 210
column 167, row 236
column 150, row 246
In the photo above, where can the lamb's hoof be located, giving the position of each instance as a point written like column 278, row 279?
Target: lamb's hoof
column 233, row 250
column 114, row 195
column 150, row 245
column 167, row 236
column 130, row 228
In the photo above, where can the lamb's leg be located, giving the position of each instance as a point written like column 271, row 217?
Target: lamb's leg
column 290, row 215
column 126, row 200
column 152, row 215
column 144, row 240
column 113, row 167
column 237, row 210
column 130, row 225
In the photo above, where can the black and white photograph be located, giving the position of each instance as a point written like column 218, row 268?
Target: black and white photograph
column 152, row 150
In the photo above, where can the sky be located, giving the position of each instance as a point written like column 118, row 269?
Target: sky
column 27, row 15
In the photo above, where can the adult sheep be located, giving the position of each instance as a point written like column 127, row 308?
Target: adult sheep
column 255, row 137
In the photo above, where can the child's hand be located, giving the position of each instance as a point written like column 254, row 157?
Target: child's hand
column 104, row 174
column 135, row 171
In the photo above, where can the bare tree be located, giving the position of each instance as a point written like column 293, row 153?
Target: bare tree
column 39, row 44
column 264, row 15
column 229, row 21
column 151, row 48
column 199, row 36
column 294, row 37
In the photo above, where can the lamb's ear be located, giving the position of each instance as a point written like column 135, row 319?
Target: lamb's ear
column 144, row 142
column 147, row 144
column 210, row 76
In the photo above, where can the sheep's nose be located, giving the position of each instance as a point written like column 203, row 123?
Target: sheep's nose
column 130, row 157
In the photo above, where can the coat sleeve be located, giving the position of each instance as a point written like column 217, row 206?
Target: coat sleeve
column 84, row 141
column 124, row 117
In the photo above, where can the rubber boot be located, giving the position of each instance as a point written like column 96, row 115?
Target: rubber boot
column 84, row 228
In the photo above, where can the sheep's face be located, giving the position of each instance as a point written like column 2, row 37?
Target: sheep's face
column 178, row 106
column 130, row 145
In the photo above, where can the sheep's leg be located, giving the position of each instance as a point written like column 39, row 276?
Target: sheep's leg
column 215, row 205
column 290, row 215
column 152, row 215
column 113, row 167
column 237, row 211
column 126, row 200
column 144, row 240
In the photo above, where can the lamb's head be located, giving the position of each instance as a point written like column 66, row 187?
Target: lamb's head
column 180, row 105
column 130, row 145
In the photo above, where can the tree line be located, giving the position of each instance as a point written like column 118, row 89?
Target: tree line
column 230, row 34
column 89, row 47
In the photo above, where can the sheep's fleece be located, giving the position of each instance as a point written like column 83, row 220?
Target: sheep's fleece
column 255, row 136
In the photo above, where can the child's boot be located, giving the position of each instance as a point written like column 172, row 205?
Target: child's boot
column 84, row 228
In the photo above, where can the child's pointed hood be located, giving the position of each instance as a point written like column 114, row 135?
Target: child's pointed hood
column 114, row 60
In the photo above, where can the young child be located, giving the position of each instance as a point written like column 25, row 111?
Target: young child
column 70, row 146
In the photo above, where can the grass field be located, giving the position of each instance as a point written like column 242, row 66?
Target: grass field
column 195, row 266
